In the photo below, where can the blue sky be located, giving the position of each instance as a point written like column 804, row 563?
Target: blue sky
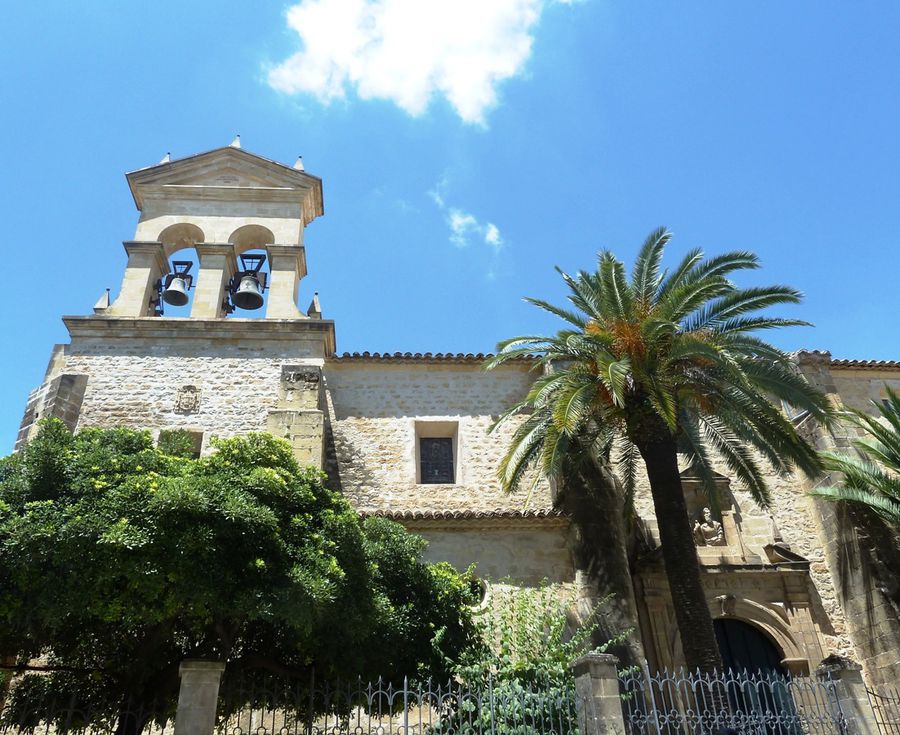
column 464, row 153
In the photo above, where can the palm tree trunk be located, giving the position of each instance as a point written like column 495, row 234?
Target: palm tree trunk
column 595, row 502
column 698, row 637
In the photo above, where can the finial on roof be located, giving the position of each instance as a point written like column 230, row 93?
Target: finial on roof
column 102, row 303
column 236, row 143
column 166, row 158
column 298, row 164
column 314, row 311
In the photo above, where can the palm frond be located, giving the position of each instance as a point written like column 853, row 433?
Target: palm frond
column 752, row 323
column 576, row 320
column 628, row 458
column 697, row 454
column 741, row 301
column 645, row 273
column 738, row 458
column 676, row 278
column 616, row 293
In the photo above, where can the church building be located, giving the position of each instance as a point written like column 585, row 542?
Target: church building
column 220, row 235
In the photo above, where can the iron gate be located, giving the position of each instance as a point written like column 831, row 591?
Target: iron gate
column 684, row 703
column 886, row 706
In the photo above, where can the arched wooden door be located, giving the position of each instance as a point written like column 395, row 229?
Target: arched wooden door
column 746, row 648
column 762, row 702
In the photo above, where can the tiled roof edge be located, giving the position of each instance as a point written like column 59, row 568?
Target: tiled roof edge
column 465, row 515
column 430, row 356
column 859, row 364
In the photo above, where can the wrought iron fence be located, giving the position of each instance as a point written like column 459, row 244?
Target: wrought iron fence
column 886, row 707
column 685, row 703
column 284, row 707
column 21, row 714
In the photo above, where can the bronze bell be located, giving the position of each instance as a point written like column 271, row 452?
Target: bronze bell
column 176, row 292
column 249, row 293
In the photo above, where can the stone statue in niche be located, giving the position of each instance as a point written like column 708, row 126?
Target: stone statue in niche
column 187, row 399
column 708, row 531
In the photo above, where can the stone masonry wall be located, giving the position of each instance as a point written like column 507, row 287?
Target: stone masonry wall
column 144, row 386
column 523, row 556
column 376, row 408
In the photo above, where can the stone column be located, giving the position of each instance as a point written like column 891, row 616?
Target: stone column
column 198, row 697
column 147, row 263
column 287, row 265
column 299, row 417
column 852, row 697
column 216, row 267
column 597, row 697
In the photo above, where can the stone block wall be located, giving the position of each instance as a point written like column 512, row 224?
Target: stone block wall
column 220, row 390
column 522, row 556
column 376, row 410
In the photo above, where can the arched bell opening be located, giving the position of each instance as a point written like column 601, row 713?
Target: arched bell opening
column 178, row 236
column 175, row 289
column 248, row 289
column 251, row 237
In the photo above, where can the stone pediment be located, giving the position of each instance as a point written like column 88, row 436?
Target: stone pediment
column 227, row 174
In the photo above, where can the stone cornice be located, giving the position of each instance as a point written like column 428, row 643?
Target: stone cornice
column 186, row 328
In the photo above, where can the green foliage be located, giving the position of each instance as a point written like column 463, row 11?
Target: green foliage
column 527, row 645
column 871, row 479
column 118, row 560
column 178, row 443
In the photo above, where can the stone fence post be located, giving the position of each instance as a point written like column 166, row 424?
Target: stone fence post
column 198, row 697
column 597, row 699
column 851, row 694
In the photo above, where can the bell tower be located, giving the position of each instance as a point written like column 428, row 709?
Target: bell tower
column 222, row 204
column 205, row 333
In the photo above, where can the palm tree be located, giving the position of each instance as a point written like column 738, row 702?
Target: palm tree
column 663, row 363
column 871, row 480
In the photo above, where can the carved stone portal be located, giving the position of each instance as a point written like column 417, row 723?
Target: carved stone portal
column 707, row 530
column 187, row 399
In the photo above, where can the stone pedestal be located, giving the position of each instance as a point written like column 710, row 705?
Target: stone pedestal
column 198, row 697
column 597, row 695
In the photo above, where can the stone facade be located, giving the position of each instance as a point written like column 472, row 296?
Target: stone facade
column 801, row 571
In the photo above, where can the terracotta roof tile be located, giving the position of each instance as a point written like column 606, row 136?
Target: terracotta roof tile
column 429, row 356
column 480, row 519
column 858, row 364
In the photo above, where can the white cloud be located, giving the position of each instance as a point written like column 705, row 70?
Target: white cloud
column 408, row 51
column 465, row 226
column 492, row 235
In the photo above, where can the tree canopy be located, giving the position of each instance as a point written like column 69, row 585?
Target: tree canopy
column 117, row 561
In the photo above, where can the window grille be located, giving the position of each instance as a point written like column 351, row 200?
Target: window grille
column 436, row 456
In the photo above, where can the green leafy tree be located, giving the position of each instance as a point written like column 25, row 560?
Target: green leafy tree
column 117, row 561
column 871, row 479
column 663, row 362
